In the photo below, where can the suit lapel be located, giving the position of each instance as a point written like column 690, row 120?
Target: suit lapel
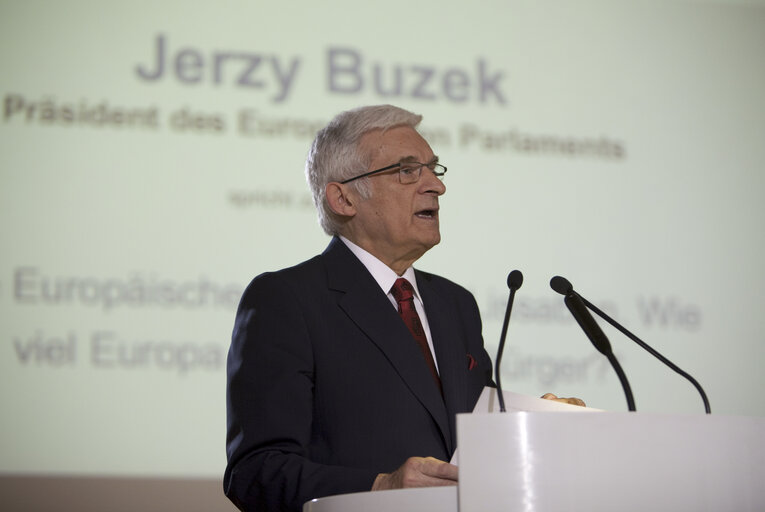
column 369, row 308
column 450, row 351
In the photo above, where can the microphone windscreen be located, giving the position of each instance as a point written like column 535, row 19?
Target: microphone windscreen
column 561, row 285
column 514, row 279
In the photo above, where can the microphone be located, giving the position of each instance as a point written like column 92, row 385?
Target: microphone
column 644, row 345
column 514, row 281
column 579, row 311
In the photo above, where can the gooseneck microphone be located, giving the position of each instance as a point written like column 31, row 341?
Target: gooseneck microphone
column 647, row 347
column 579, row 311
column 514, row 281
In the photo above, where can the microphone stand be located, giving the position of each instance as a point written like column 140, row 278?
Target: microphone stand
column 650, row 349
column 514, row 281
column 599, row 340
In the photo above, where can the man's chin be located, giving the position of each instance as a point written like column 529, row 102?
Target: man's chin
column 434, row 241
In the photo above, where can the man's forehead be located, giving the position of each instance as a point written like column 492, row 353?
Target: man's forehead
column 402, row 143
column 413, row 159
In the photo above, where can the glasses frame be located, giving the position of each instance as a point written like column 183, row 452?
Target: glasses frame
column 435, row 170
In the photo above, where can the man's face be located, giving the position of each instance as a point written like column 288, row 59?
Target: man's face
column 399, row 222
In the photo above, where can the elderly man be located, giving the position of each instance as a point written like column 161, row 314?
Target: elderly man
column 346, row 371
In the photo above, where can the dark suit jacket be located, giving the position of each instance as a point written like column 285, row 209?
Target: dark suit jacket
column 327, row 388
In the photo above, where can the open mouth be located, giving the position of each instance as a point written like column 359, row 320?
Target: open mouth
column 427, row 214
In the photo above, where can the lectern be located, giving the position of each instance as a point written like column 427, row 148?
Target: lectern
column 590, row 461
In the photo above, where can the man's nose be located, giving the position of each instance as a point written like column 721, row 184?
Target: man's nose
column 432, row 183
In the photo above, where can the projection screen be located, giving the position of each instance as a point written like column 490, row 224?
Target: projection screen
column 152, row 164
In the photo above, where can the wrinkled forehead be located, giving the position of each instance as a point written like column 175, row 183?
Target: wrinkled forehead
column 397, row 144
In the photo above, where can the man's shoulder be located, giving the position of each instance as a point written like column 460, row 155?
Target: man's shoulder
column 307, row 273
column 442, row 284
column 300, row 272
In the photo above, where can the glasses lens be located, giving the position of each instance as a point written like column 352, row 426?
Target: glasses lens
column 409, row 173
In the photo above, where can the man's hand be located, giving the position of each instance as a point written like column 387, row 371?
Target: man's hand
column 418, row 472
column 572, row 401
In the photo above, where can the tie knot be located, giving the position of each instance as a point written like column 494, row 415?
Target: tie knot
column 402, row 290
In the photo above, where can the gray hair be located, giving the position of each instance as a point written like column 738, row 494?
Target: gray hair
column 335, row 154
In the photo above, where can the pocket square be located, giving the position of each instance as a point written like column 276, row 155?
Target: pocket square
column 472, row 363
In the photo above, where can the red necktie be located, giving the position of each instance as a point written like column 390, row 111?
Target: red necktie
column 403, row 292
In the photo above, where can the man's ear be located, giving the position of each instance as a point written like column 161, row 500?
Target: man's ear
column 339, row 199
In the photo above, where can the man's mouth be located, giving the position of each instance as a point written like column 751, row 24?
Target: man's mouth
column 427, row 214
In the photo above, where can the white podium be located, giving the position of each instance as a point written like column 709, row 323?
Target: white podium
column 589, row 461
column 548, row 461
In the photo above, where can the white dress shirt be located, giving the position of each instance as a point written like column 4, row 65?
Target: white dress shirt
column 385, row 277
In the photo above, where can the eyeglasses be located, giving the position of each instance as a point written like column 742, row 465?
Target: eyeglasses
column 408, row 172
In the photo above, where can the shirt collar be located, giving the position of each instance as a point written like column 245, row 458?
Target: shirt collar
column 381, row 272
